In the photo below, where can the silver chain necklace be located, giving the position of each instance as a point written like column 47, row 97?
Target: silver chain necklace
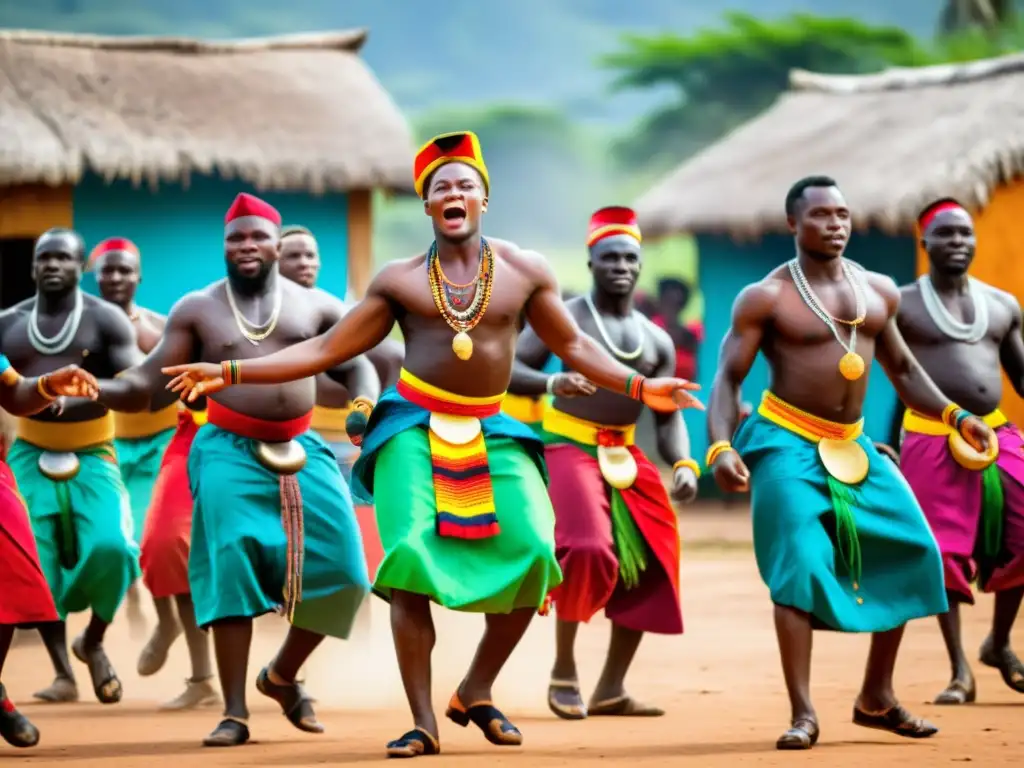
column 54, row 345
column 803, row 287
column 955, row 329
column 604, row 334
column 252, row 332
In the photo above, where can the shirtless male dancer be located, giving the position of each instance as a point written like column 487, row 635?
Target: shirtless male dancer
column 966, row 334
column 458, row 486
column 65, row 462
column 840, row 540
column 616, row 532
column 25, row 597
column 141, row 438
column 142, row 441
column 272, row 520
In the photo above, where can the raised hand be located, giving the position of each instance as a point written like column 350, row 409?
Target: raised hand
column 195, row 380
column 70, row 381
column 668, row 394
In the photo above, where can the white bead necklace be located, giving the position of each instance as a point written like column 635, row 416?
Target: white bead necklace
column 604, row 334
column 54, row 345
column 955, row 329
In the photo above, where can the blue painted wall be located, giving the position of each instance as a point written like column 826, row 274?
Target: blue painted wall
column 726, row 267
column 180, row 232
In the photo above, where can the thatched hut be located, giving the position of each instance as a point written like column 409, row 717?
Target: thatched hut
column 894, row 141
column 151, row 138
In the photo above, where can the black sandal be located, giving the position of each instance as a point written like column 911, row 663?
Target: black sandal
column 229, row 733
column 296, row 705
column 416, row 743
column 105, row 682
column 957, row 692
column 1006, row 661
column 802, row 734
column 895, row 720
column 495, row 727
column 16, row 729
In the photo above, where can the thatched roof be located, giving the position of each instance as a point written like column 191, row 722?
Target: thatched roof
column 893, row 141
column 297, row 112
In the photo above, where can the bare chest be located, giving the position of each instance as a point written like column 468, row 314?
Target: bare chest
column 222, row 337
column 919, row 328
column 836, row 305
column 86, row 348
column 628, row 339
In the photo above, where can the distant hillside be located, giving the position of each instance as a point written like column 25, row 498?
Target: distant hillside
column 462, row 51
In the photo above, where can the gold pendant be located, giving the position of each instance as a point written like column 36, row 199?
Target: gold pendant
column 462, row 346
column 845, row 460
column 851, row 366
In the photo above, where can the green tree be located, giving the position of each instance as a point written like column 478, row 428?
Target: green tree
column 718, row 79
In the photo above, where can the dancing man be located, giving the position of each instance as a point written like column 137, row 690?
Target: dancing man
column 616, row 532
column 65, row 462
column 966, row 335
column 141, row 438
column 458, row 486
column 839, row 539
column 272, row 526
column 25, row 597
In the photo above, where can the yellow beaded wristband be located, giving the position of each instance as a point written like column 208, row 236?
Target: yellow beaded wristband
column 42, row 390
column 716, row 450
column 691, row 463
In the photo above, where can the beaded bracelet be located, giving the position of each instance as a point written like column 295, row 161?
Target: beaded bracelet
column 635, row 385
column 690, row 464
column 231, row 372
column 949, row 414
column 43, row 391
column 716, row 450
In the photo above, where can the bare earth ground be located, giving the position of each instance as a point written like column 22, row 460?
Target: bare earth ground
column 720, row 683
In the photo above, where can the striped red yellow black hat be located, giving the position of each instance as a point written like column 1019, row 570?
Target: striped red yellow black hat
column 109, row 245
column 611, row 221
column 457, row 147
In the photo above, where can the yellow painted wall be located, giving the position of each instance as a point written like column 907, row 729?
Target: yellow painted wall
column 30, row 210
column 999, row 261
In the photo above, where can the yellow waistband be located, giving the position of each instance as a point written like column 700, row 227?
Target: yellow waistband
column 146, row 423
column 581, row 430
column 444, row 395
column 924, row 425
column 529, row 410
column 67, row 435
column 807, row 425
column 329, row 419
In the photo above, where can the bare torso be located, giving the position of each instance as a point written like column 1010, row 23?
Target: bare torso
column 802, row 353
column 625, row 333
column 971, row 375
column 428, row 338
column 149, row 326
column 88, row 350
column 216, row 337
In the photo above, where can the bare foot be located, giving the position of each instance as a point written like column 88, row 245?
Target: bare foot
column 197, row 693
column 154, row 655
column 61, row 691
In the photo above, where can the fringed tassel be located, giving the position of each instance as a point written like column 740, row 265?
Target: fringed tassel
column 295, row 534
column 843, row 500
column 67, row 546
column 992, row 500
column 629, row 542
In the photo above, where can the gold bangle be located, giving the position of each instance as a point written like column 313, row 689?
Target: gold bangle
column 716, row 450
column 42, row 390
column 690, row 463
column 948, row 414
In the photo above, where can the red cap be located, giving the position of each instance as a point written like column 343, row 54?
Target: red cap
column 250, row 205
column 111, row 244
column 458, row 147
column 611, row 221
column 931, row 213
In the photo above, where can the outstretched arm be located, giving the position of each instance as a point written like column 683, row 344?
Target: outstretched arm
column 134, row 388
column 559, row 331
column 670, row 429
column 357, row 375
column 20, row 396
column 751, row 313
column 531, row 355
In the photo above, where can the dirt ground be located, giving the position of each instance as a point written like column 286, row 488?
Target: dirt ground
column 720, row 683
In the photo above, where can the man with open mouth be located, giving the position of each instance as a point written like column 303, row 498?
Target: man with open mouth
column 458, row 485
column 967, row 334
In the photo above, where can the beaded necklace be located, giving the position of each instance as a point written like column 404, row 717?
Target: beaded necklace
column 452, row 300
